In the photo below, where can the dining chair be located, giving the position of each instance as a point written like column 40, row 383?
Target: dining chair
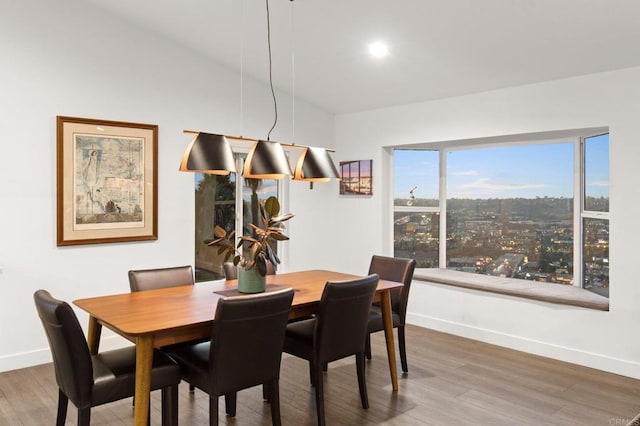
column 151, row 279
column 91, row 380
column 399, row 270
column 337, row 331
column 245, row 350
column 231, row 270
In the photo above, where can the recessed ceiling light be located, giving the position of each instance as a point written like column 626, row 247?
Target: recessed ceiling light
column 378, row 49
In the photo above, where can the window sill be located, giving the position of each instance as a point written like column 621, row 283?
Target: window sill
column 545, row 292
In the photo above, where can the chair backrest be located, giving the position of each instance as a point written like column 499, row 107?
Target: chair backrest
column 342, row 318
column 71, row 357
column 231, row 270
column 399, row 270
column 151, row 279
column 247, row 340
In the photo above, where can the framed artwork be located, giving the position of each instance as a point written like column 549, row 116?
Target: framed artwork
column 356, row 177
column 107, row 181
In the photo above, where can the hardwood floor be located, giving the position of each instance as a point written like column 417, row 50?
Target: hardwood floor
column 451, row 381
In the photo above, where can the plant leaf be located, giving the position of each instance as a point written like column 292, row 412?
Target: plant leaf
column 278, row 236
column 219, row 232
column 261, row 264
column 215, row 242
column 279, row 219
column 272, row 206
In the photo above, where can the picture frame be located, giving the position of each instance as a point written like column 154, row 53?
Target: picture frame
column 356, row 177
column 107, row 181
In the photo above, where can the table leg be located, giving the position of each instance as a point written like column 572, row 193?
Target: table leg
column 144, row 362
column 388, row 334
column 93, row 335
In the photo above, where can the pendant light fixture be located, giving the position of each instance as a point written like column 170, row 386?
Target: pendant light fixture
column 208, row 153
column 267, row 159
column 211, row 153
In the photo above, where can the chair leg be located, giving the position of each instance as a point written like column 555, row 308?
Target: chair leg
column 230, row 400
column 170, row 406
column 191, row 388
column 84, row 416
column 403, row 349
column 367, row 346
column 362, row 383
column 325, row 366
column 274, row 392
column 265, row 392
column 213, row 410
column 63, row 403
column 312, row 373
column 319, row 379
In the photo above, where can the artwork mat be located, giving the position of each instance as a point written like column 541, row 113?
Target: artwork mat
column 106, row 134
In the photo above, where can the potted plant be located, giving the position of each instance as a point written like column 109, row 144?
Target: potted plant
column 253, row 252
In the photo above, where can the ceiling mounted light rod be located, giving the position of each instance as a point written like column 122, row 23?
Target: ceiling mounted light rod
column 245, row 139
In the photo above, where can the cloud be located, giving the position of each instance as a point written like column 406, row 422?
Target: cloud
column 466, row 173
column 485, row 184
column 599, row 183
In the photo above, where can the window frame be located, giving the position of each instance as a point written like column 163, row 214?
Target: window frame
column 576, row 137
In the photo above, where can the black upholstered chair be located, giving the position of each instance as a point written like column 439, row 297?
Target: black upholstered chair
column 231, row 270
column 337, row 331
column 245, row 350
column 151, row 279
column 90, row 380
column 392, row 269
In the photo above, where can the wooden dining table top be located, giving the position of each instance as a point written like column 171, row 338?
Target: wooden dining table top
column 149, row 312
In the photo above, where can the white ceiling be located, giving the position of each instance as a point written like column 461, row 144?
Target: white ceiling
column 438, row 48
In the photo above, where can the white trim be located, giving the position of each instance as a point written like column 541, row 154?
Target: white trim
column 563, row 353
column 43, row 356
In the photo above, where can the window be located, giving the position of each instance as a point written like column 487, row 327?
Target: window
column 595, row 214
column 508, row 209
column 416, row 216
column 221, row 201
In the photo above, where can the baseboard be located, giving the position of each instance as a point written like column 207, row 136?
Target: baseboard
column 43, row 356
column 562, row 353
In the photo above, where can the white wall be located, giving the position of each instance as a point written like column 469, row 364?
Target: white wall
column 67, row 58
column 604, row 340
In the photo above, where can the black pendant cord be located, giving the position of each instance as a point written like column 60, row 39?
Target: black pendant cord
column 273, row 93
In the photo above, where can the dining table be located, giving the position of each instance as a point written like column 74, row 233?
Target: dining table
column 156, row 318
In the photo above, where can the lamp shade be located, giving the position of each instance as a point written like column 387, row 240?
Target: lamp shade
column 315, row 165
column 266, row 160
column 208, row 153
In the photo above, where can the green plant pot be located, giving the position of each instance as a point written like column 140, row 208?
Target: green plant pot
column 250, row 281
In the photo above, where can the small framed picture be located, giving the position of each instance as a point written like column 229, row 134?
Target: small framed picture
column 107, row 181
column 356, row 177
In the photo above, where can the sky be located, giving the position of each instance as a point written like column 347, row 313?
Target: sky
column 527, row 171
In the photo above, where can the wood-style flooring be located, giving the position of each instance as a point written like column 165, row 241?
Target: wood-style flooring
column 451, row 381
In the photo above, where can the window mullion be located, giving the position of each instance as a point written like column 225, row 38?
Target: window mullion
column 442, row 203
column 578, row 204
